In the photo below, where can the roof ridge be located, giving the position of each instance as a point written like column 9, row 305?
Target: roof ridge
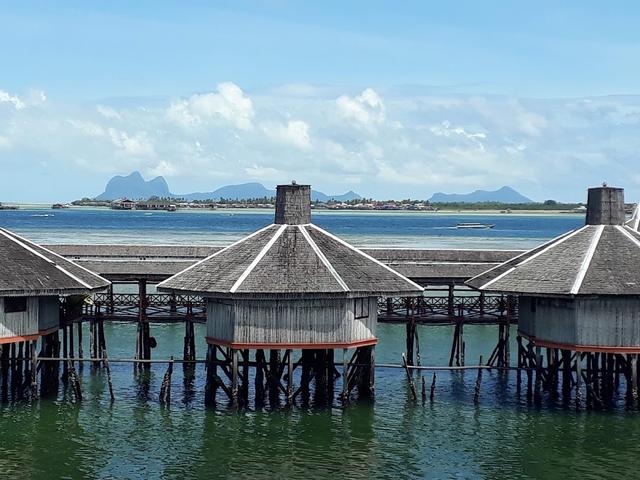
column 256, row 260
column 322, row 257
column 360, row 252
column 48, row 260
column 222, row 250
column 586, row 261
column 552, row 245
column 628, row 234
column 502, row 264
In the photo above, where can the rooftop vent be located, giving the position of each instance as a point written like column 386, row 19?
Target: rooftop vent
column 605, row 206
column 293, row 204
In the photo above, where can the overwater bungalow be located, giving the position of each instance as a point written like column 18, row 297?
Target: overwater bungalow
column 32, row 280
column 123, row 204
column 291, row 286
column 579, row 299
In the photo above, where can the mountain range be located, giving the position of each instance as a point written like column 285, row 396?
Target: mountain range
column 135, row 187
column 502, row 195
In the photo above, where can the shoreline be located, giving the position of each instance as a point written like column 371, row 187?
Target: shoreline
column 321, row 211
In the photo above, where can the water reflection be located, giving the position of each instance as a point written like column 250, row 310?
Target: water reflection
column 394, row 437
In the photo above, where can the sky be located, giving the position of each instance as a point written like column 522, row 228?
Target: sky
column 390, row 99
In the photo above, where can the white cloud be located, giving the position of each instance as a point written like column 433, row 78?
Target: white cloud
column 366, row 109
column 136, row 145
column 294, row 132
column 6, row 97
column 404, row 146
column 229, row 103
column 108, row 112
column 163, row 169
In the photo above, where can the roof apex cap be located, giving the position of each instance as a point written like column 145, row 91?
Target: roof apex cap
column 605, row 206
column 293, row 204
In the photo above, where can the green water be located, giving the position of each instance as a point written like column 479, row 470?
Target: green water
column 502, row 437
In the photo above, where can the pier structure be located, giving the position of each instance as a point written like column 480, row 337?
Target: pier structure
column 579, row 304
column 442, row 272
column 290, row 289
column 38, row 289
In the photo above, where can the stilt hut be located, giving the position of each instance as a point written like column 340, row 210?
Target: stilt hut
column 579, row 299
column 290, row 286
column 32, row 279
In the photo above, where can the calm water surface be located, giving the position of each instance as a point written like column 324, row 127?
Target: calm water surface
column 502, row 437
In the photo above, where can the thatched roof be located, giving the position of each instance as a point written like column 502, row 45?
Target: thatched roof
column 27, row 269
column 290, row 260
column 593, row 260
column 601, row 258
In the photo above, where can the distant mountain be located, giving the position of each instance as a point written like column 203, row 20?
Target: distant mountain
column 232, row 192
column 345, row 197
column 502, row 195
column 135, row 187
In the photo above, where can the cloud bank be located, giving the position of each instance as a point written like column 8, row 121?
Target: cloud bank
column 384, row 143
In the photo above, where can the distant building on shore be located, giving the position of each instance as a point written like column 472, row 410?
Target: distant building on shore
column 123, row 204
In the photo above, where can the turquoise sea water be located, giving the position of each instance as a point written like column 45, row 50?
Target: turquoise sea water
column 394, row 437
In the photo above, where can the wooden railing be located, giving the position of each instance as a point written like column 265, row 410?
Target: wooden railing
column 430, row 308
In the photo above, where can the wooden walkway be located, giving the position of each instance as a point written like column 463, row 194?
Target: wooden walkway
column 432, row 309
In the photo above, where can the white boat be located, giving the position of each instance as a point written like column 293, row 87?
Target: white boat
column 475, row 225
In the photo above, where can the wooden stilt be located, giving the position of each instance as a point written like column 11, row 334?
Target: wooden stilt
column 432, row 393
column 259, row 377
column 634, row 380
column 290, row 376
column 245, row 378
column 108, row 369
column 234, row 377
column 476, row 396
column 345, row 376
column 80, row 346
column 165, row 388
column 34, row 370
column 537, row 394
column 578, row 380
column 409, row 378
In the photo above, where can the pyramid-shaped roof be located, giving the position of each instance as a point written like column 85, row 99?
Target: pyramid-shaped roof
column 27, row 269
column 291, row 257
column 601, row 258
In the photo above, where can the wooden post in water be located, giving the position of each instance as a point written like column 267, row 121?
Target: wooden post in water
column 108, row 369
column 80, row 347
column 537, row 394
column 409, row 378
column 578, row 380
column 245, row 378
column 634, row 379
column 234, row 377
column 432, row 393
column 411, row 333
column 476, row 396
column 289, row 376
column 345, row 376
column 566, row 375
column 34, row 370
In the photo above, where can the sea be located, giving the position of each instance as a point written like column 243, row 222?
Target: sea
column 503, row 435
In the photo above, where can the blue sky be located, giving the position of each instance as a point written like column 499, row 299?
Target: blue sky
column 386, row 98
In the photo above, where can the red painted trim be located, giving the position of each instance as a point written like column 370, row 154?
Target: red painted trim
column 580, row 348
column 292, row 346
column 25, row 338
